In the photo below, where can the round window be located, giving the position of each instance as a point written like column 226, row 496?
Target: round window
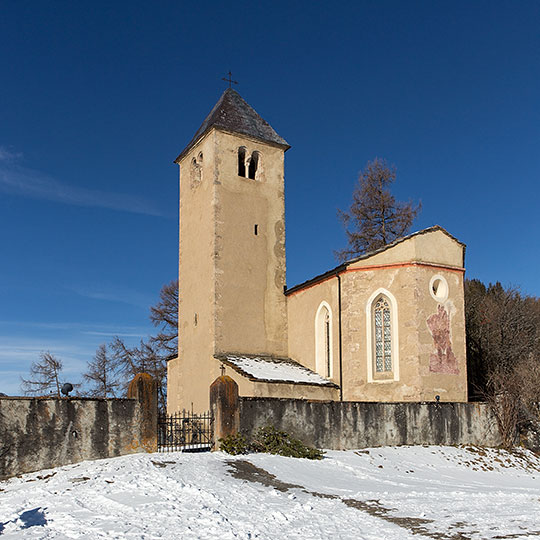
column 438, row 288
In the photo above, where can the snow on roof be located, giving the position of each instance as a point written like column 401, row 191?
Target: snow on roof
column 273, row 369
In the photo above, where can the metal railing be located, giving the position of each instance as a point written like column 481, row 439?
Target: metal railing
column 185, row 431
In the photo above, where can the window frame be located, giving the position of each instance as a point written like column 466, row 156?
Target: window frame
column 373, row 376
column 324, row 365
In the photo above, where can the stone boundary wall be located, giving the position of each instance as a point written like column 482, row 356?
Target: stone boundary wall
column 348, row 425
column 44, row 432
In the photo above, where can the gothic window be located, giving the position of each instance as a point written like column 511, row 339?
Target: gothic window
column 242, row 161
column 253, row 165
column 382, row 335
column 323, row 340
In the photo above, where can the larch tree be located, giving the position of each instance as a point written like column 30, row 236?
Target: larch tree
column 143, row 358
column 151, row 355
column 375, row 218
column 164, row 315
column 101, row 374
column 44, row 377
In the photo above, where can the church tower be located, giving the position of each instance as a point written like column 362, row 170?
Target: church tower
column 232, row 248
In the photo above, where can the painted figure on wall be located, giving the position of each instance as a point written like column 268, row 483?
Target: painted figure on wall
column 442, row 360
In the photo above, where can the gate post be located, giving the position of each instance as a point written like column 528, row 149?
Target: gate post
column 144, row 388
column 224, row 407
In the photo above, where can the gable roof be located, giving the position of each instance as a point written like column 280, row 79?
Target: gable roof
column 232, row 113
column 400, row 240
column 367, row 255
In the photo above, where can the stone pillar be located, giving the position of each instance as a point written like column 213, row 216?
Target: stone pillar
column 225, row 408
column 144, row 388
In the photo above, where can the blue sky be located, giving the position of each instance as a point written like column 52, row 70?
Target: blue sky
column 97, row 99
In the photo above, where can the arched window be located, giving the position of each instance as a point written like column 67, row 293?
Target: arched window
column 242, row 161
column 196, row 170
column 323, row 340
column 382, row 334
column 253, row 165
column 382, row 337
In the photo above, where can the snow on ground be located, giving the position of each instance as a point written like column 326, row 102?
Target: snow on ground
column 380, row 493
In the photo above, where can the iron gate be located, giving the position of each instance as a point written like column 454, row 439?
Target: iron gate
column 185, row 432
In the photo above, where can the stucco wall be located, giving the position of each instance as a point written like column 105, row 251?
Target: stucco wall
column 302, row 309
column 188, row 376
column 251, row 310
column 429, row 332
column 433, row 247
column 348, row 425
column 40, row 433
column 416, row 375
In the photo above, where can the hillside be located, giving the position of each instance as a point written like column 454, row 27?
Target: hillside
column 380, row 493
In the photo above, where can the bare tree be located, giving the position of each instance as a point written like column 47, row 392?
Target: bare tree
column 44, row 376
column 503, row 355
column 144, row 358
column 503, row 331
column 528, row 373
column 164, row 315
column 112, row 369
column 375, row 218
column 101, row 374
column 504, row 398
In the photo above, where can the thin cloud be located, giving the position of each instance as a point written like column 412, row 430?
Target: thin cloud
column 131, row 298
column 17, row 180
column 17, row 353
column 8, row 155
column 25, row 349
column 111, row 334
column 83, row 328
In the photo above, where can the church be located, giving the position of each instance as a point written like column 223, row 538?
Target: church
column 386, row 326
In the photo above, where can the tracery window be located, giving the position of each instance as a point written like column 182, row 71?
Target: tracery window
column 382, row 335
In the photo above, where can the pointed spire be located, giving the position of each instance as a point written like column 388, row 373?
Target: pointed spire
column 232, row 113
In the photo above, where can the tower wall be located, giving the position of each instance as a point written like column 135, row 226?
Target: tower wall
column 190, row 375
column 251, row 311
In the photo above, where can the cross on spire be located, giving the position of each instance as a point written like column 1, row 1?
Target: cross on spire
column 229, row 79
